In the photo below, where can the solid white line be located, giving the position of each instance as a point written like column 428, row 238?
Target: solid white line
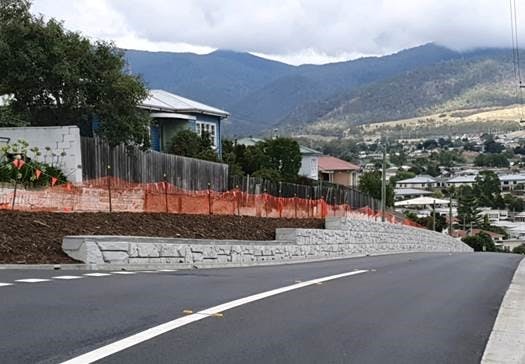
column 5, row 284
column 67, row 277
column 32, row 280
column 123, row 272
column 140, row 337
column 97, row 274
column 167, row 270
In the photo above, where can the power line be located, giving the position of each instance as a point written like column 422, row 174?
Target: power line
column 516, row 60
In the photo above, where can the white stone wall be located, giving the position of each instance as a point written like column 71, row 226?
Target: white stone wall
column 291, row 245
column 61, row 139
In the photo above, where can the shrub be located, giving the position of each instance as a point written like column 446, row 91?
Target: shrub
column 519, row 249
column 480, row 242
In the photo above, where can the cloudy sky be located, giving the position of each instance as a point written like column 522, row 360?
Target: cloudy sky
column 292, row 31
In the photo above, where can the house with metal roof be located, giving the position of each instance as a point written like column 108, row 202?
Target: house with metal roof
column 422, row 181
column 511, row 182
column 171, row 113
column 404, row 193
column 338, row 171
column 468, row 180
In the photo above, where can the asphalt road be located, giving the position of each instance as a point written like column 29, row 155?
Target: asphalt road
column 431, row 308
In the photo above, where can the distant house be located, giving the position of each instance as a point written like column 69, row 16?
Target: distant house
column 422, row 181
column 309, row 161
column 172, row 113
column 511, row 182
column 467, row 180
column 406, row 193
column 338, row 171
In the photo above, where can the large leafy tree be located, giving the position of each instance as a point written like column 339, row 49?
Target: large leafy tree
column 58, row 77
column 282, row 155
column 187, row 143
column 488, row 191
column 370, row 182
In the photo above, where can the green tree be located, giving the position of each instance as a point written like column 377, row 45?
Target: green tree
column 370, row 182
column 187, row 143
column 492, row 160
column 58, row 77
column 480, row 242
column 282, row 155
column 487, row 188
column 519, row 249
column 468, row 208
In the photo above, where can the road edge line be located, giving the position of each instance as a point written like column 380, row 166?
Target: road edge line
column 506, row 343
column 155, row 331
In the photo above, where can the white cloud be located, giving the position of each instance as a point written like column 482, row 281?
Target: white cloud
column 293, row 31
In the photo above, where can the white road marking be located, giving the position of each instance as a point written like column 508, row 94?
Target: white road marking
column 5, row 284
column 148, row 271
column 32, row 280
column 97, row 274
column 123, row 272
column 140, row 337
column 167, row 270
column 67, row 277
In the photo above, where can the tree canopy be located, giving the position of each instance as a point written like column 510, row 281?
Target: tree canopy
column 59, row 77
column 370, row 182
column 187, row 143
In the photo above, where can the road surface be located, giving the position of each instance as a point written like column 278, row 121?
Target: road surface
column 412, row 308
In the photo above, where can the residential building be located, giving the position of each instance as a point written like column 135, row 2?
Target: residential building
column 458, row 181
column 510, row 182
column 309, row 162
column 406, row 193
column 171, row 113
column 422, row 181
column 338, row 171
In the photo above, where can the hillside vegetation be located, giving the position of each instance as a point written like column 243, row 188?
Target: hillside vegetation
column 328, row 99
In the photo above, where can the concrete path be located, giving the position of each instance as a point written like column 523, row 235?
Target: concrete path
column 432, row 308
column 507, row 341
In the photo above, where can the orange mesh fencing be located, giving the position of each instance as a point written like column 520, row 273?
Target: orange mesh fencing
column 108, row 194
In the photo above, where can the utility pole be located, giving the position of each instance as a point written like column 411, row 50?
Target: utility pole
column 434, row 215
column 450, row 227
column 383, row 186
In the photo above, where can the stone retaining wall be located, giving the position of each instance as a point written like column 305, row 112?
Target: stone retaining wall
column 292, row 245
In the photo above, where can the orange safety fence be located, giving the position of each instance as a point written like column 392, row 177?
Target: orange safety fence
column 108, row 194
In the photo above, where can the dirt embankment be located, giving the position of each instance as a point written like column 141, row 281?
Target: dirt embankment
column 35, row 238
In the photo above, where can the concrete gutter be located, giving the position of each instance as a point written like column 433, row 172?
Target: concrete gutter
column 507, row 340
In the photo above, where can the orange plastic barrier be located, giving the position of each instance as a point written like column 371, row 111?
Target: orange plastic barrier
column 108, row 194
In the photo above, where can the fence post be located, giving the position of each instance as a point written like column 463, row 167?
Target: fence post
column 166, row 192
column 209, row 199
column 238, row 201
column 109, row 188
column 295, row 204
column 14, row 194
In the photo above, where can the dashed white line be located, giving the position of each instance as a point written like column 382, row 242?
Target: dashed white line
column 140, row 337
column 123, row 272
column 97, row 274
column 67, row 277
column 167, row 270
column 5, row 284
column 32, row 280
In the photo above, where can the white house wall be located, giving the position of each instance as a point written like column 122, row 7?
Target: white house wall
column 309, row 167
column 61, row 139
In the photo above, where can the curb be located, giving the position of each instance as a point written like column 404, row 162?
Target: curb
column 132, row 267
column 507, row 339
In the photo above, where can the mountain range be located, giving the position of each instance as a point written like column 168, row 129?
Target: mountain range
column 262, row 94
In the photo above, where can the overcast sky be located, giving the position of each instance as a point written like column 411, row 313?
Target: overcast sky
column 292, row 31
